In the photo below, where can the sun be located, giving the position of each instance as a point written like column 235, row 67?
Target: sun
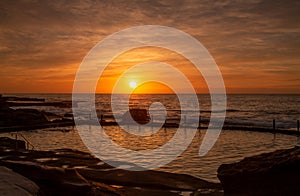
column 132, row 84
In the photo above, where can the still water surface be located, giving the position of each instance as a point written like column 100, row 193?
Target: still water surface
column 231, row 146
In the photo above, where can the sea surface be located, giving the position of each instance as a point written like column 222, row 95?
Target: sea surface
column 231, row 146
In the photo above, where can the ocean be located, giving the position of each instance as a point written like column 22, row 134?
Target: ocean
column 244, row 110
column 256, row 111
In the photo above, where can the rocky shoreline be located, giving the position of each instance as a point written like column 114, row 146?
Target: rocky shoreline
column 67, row 171
column 29, row 119
column 275, row 173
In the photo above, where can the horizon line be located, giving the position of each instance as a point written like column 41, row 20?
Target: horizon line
column 149, row 93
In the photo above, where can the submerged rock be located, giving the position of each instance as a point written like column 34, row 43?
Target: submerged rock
column 275, row 173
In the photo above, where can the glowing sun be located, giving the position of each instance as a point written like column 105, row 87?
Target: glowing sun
column 132, row 84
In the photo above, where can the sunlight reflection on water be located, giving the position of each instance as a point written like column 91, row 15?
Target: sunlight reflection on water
column 231, row 146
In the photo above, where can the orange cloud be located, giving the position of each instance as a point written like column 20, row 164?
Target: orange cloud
column 43, row 43
column 141, row 55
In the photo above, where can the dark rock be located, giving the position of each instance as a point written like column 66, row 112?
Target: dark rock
column 68, row 115
column 3, row 104
column 208, row 192
column 63, row 104
column 24, row 119
column 10, row 117
column 63, row 158
column 133, row 191
column 8, row 143
column 150, row 179
column 275, row 173
column 67, row 171
column 53, row 180
column 29, row 117
column 51, row 116
column 139, row 115
column 10, row 98
column 12, row 183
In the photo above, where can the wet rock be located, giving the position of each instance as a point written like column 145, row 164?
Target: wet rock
column 12, row 98
column 139, row 115
column 208, row 192
column 67, row 171
column 275, row 173
column 10, row 117
column 63, row 158
column 8, row 143
column 63, row 104
column 28, row 117
column 133, row 191
column 3, row 104
column 150, row 179
column 12, row 183
column 68, row 115
column 53, row 180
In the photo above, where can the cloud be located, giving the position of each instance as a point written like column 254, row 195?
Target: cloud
column 258, row 35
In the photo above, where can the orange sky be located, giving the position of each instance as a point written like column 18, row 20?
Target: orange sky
column 137, row 56
column 255, row 43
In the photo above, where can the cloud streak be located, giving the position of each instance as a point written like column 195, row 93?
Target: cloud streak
column 257, row 37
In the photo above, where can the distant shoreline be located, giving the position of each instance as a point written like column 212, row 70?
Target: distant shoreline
column 17, row 101
column 52, row 93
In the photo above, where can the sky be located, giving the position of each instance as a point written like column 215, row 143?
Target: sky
column 255, row 43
